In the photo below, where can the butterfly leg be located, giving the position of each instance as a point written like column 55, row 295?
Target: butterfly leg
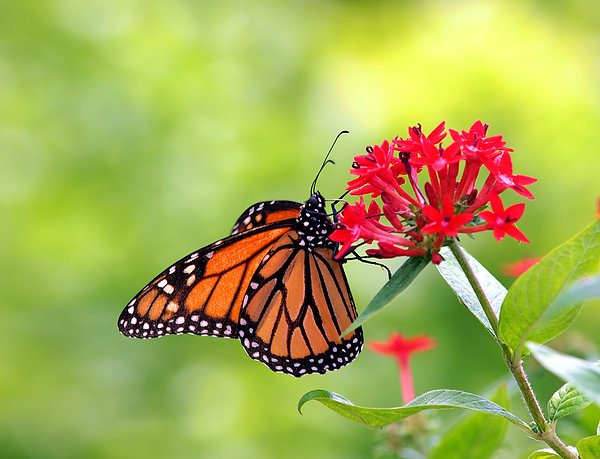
column 365, row 260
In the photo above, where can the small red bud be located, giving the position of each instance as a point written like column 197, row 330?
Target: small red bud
column 431, row 194
column 418, row 237
column 470, row 199
column 436, row 258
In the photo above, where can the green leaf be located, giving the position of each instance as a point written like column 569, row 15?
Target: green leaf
column 527, row 312
column 457, row 280
column 477, row 436
column 584, row 375
column 589, row 447
column 587, row 288
column 565, row 401
column 548, row 453
column 398, row 282
column 441, row 399
column 545, row 453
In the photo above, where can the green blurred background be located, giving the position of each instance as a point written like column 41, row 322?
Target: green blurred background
column 134, row 132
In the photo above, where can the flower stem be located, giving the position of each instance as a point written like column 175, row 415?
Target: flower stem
column 545, row 432
column 406, row 381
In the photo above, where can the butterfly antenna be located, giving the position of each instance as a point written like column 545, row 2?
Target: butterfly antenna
column 313, row 187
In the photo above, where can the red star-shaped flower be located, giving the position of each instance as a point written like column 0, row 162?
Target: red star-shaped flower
column 436, row 158
column 503, row 171
column 414, row 144
column 356, row 223
column 475, row 144
column 444, row 222
column 379, row 165
column 503, row 220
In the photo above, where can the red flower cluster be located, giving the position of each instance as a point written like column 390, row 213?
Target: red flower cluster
column 448, row 203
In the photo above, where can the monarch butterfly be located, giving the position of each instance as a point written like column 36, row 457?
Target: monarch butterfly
column 273, row 284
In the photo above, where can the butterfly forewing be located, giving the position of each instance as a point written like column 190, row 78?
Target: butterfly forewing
column 203, row 292
column 297, row 307
column 266, row 212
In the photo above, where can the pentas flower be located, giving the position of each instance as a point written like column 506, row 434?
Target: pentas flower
column 402, row 348
column 502, row 221
column 444, row 221
column 380, row 166
column 416, row 138
column 430, row 193
column 476, row 145
column 502, row 170
column 357, row 225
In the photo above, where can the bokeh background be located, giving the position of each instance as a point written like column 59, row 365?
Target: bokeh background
column 134, row 132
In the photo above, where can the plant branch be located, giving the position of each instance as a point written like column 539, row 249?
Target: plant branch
column 516, row 369
column 545, row 432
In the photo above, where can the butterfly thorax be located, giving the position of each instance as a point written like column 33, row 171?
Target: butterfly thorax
column 314, row 225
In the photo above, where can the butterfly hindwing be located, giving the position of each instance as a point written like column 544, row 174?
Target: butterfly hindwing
column 202, row 293
column 297, row 306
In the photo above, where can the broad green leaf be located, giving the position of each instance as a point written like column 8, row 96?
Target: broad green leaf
column 545, row 453
column 456, row 279
column 584, row 375
column 524, row 311
column 477, row 436
column 398, row 282
column 589, row 447
column 565, row 401
column 441, row 399
column 548, row 453
column 587, row 288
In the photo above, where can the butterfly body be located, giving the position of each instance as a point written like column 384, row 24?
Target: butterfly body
column 273, row 284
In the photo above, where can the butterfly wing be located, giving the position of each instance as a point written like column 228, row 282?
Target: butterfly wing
column 297, row 306
column 264, row 213
column 203, row 292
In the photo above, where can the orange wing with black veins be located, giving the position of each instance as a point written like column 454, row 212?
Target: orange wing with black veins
column 298, row 305
column 203, row 292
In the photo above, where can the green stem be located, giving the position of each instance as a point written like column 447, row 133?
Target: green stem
column 528, row 396
column 545, row 432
